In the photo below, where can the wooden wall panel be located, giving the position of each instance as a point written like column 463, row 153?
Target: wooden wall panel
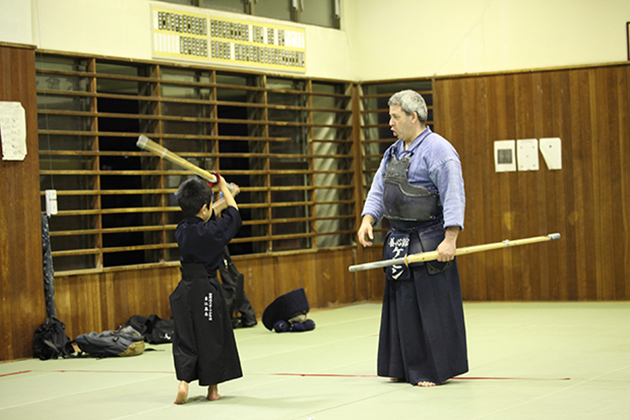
column 104, row 301
column 372, row 280
column 100, row 302
column 21, row 272
column 586, row 201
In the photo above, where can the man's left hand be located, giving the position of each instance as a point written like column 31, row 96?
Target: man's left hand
column 446, row 249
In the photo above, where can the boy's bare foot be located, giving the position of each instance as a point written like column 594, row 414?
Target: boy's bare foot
column 213, row 392
column 182, row 393
column 397, row 379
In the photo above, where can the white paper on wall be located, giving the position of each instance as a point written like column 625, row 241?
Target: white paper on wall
column 504, row 157
column 551, row 149
column 527, row 154
column 13, row 130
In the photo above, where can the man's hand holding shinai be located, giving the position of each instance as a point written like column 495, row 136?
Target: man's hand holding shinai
column 446, row 249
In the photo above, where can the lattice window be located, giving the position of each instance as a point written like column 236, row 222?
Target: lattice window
column 287, row 141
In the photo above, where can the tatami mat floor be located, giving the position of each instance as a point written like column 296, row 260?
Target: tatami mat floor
column 528, row 361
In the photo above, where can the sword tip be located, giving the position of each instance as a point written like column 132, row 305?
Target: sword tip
column 142, row 141
column 554, row 236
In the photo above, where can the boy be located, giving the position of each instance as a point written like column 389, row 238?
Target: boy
column 204, row 348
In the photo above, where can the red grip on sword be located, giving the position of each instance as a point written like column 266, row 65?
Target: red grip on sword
column 214, row 184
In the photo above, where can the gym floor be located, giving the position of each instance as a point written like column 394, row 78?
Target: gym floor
column 527, row 360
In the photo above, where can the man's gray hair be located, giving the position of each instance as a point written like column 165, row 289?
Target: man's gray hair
column 410, row 101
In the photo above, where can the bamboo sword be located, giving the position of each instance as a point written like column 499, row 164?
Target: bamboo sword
column 432, row 255
column 146, row 143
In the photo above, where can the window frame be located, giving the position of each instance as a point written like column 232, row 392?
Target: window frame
column 164, row 93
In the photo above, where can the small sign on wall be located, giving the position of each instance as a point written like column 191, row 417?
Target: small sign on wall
column 551, row 149
column 13, row 130
column 527, row 155
column 180, row 34
column 504, row 155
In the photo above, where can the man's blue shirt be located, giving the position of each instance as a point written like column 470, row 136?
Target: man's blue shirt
column 434, row 165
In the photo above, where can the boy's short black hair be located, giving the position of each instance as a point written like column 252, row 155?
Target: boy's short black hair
column 192, row 195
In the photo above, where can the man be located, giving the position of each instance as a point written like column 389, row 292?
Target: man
column 419, row 188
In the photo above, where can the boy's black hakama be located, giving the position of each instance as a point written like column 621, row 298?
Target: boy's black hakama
column 204, row 347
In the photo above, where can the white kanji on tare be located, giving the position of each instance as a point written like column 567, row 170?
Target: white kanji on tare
column 398, row 246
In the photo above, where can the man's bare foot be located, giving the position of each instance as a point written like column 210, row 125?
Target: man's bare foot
column 213, row 392
column 397, row 380
column 182, row 393
column 426, row 384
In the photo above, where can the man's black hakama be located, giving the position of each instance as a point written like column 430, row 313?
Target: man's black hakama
column 204, row 348
column 422, row 336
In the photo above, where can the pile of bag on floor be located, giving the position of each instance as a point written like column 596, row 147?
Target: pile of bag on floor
column 289, row 313
column 129, row 339
column 50, row 340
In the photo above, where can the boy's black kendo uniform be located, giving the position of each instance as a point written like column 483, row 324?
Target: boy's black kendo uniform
column 204, row 348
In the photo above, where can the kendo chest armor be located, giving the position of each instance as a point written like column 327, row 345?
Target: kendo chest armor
column 404, row 201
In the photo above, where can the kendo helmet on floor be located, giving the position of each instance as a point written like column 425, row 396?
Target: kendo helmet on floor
column 288, row 313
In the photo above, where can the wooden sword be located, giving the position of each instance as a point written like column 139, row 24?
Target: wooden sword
column 432, row 255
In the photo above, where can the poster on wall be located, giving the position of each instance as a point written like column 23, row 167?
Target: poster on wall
column 12, row 130
column 504, row 155
column 551, row 149
column 180, row 34
column 204, row 38
column 240, row 42
column 527, row 154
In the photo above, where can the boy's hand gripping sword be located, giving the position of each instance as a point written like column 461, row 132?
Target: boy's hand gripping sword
column 146, row 143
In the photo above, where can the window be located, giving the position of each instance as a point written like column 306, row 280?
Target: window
column 286, row 141
column 326, row 13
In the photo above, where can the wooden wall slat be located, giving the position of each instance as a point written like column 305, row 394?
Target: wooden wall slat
column 98, row 302
column 624, row 130
column 585, row 201
column 577, row 220
column 21, row 270
column 558, row 183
